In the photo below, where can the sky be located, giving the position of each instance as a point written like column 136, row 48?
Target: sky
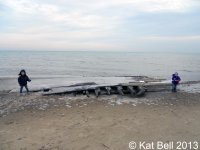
column 102, row 25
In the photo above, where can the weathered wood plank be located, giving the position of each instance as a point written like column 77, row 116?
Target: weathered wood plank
column 108, row 89
column 70, row 89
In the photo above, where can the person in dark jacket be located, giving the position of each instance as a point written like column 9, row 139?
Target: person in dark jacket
column 175, row 81
column 22, row 80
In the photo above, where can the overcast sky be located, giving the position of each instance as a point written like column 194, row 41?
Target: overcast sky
column 122, row 25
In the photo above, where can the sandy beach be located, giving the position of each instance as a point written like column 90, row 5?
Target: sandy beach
column 100, row 75
column 65, row 122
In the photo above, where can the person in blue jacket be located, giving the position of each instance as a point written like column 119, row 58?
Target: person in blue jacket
column 22, row 80
column 175, row 81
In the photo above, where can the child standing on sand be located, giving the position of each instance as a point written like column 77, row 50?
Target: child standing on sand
column 22, row 80
column 175, row 81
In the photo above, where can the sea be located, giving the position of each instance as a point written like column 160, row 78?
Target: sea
column 62, row 67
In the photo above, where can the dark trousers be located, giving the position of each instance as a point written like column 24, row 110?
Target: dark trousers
column 26, row 87
column 174, row 87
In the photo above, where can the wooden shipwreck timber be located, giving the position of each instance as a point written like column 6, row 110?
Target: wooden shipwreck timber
column 134, row 89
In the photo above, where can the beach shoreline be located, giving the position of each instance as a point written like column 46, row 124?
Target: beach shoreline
column 107, row 122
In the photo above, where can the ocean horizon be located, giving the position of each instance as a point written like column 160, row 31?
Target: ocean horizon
column 99, row 64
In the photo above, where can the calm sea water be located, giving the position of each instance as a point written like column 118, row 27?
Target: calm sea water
column 99, row 64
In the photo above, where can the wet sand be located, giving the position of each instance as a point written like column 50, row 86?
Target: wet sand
column 80, row 123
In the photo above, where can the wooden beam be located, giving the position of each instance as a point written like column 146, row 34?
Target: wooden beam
column 119, row 89
column 97, row 92
column 141, row 91
column 87, row 93
column 108, row 89
column 131, row 90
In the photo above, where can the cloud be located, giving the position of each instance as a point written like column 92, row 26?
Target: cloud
column 54, row 42
column 92, row 13
column 172, row 38
column 59, row 14
column 61, row 8
column 89, row 24
column 142, row 5
column 159, row 5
